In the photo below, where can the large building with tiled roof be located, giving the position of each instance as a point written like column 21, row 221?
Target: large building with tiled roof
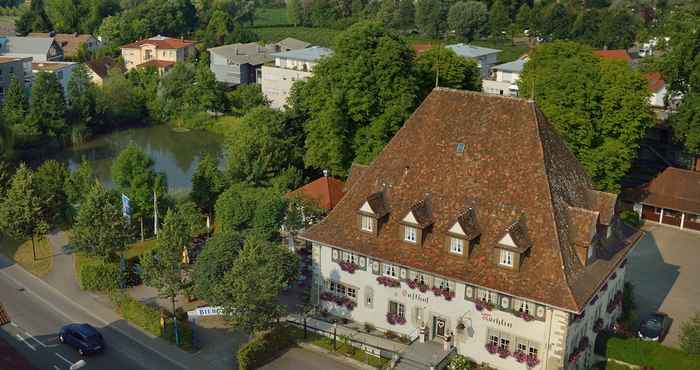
column 476, row 226
column 159, row 51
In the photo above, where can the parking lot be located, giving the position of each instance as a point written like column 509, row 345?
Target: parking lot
column 665, row 271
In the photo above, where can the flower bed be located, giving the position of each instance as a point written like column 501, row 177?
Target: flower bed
column 339, row 300
column 348, row 266
column 388, row 282
column 395, row 319
column 480, row 306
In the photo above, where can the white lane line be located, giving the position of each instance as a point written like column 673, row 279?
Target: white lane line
column 13, row 324
column 56, row 367
column 25, row 342
column 64, row 359
column 36, row 340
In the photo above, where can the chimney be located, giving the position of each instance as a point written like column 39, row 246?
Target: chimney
column 325, row 173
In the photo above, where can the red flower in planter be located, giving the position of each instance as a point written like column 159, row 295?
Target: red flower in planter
column 448, row 295
column 388, row 282
column 437, row 291
column 422, row 287
column 395, row 319
column 412, row 284
column 492, row 348
column 520, row 356
column 503, row 352
column 348, row 266
column 479, row 306
column 526, row 316
column 532, row 361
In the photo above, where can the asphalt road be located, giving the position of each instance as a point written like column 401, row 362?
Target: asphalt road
column 37, row 314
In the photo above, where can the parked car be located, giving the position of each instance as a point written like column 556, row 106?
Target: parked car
column 654, row 327
column 83, row 337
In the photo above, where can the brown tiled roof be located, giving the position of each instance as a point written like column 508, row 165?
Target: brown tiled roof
column 518, row 232
column 102, row 66
column 514, row 168
column 163, row 43
column 70, row 42
column 585, row 225
column 356, row 172
column 467, row 220
column 325, row 191
column 421, row 212
column 605, row 204
column 674, row 188
column 656, row 81
column 619, row 54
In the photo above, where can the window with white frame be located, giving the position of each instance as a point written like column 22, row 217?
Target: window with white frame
column 397, row 309
column 367, row 223
column 506, row 258
column 409, row 234
column 493, row 339
column 520, row 305
column 342, row 290
column 456, row 245
column 391, row 270
column 499, row 339
column 444, row 284
column 505, row 342
column 487, row 296
column 350, row 257
column 423, row 278
column 527, row 346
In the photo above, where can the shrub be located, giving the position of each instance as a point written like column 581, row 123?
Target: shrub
column 146, row 317
column 99, row 276
column 263, row 347
column 459, row 362
column 690, row 335
column 631, row 218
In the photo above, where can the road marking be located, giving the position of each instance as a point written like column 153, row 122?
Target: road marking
column 13, row 324
column 64, row 359
column 36, row 340
column 56, row 367
column 25, row 342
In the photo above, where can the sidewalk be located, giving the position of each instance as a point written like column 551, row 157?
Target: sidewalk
column 62, row 278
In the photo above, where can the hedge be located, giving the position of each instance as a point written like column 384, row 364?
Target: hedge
column 654, row 354
column 146, row 317
column 100, row 276
column 263, row 348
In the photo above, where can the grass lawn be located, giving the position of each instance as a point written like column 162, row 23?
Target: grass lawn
column 271, row 17
column 315, row 36
column 635, row 351
column 21, row 253
column 341, row 347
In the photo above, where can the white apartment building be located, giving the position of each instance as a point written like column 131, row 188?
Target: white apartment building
column 485, row 58
column 289, row 67
column 456, row 235
column 504, row 78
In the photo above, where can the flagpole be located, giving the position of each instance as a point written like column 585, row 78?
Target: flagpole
column 155, row 213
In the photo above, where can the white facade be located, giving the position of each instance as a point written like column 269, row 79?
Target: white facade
column 504, row 78
column 552, row 334
column 289, row 67
column 656, row 99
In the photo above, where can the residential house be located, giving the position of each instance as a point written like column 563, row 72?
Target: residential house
column 325, row 192
column 71, row 42
column 240, row 64
column 99, row 68
column 19, row 67
column 62, row 70
column 159, row 51
column 40, row 49
column 671, row 198
column 485, row 58
column 476, row 230
column 504, row 78
column 289, row 67
column 657, row 87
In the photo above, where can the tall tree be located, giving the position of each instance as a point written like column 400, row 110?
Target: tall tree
column 79, row 182
column 14, row 112
column 100, row 229
column 469, row 19
column 163, row 267
column 441, row 66
column 33, row 19
column 294, row 12
column 602, row 110
column 244, row 98
column 522, row 19
column 406, row 15
column 207, row 184
column 81, row 98
column 47, row 108
column 134, row 174
column 50, row 179
column 258, row 211
column 119, row 102
column 217, row 258
column 249, row 291
column 430, row 17
column 357, row 98
column 500, row 19
column 686, row 123
column 21, row 212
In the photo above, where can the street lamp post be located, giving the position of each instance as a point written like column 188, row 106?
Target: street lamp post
column 335, row 333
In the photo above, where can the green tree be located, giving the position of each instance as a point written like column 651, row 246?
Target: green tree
column 208, row 94
column 134, row 175
column 64, row 15
column 500, row 19
column 469, row 19
column 294, row 12
column 246, row 97
column 441, row 66
column 219, row 26
column 143, row 90
column 249, row 291
column 50, row 179
column 162, row 267
column 21, row 212
column 79, row 182
column 100, row 229
column 405, row 15
column 599, row 107
column 119, row 102
column 258, row 211
column 686, row 123
column 82, row 96
column 261, row 146
column 357, row 98
column 207, row 184
column 174, row 97
column 33, row 19
column 14, row 112
column 690, row 335
column 555, row 22
column 216, row 259
column 47, row 108
column 430, row 17
column 192, row 216
column 618, row 30
column 522, row 19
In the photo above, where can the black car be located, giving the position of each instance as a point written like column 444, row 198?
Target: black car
column 654, row 327
column 82, row 337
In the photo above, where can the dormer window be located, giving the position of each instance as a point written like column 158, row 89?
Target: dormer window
column 371, row 212
column 409, row 234
column 367, row 223
column 506, row 258
column 512, row 246
column 456, row 245
column 464, row 231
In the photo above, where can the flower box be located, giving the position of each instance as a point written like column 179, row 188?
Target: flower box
column 388, row 282
column 348, row 266
column 503, row 352
column 437, row 291
column 412, row 284
column 395, row 319
column 532, row 361
column 520, row 356
column 448, row 295
column 492, row 348
column 338, row 300
column 422, row 287
column 525, row 316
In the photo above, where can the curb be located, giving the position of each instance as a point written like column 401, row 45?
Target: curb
column 103, row 321
column 349, row 361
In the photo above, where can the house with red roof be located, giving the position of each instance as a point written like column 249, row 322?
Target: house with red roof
column 159, row 51
column 657, row 86
column 325, row 192
column 618, row 54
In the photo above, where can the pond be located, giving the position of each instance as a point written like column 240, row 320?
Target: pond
column 175, row 153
